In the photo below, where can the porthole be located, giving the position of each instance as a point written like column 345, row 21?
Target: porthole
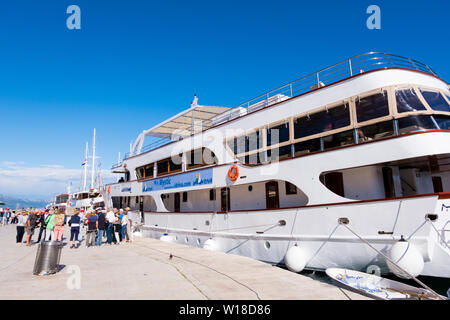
column 267, row 245
column 250, row 188
column 199, row 241
column 207, row 222
column 186, row 239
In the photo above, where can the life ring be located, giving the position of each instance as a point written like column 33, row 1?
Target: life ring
column 233, row 173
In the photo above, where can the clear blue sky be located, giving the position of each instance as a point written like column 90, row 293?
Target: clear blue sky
column 135, row 63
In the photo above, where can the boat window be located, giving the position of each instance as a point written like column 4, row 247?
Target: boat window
column 305, row 147
column 237, row 144
column 371, row 107
column 415, row 123
column 279, row 153
column 232, row 144
column 376, row 131
column 140, row 173
column 253, row 141
column 290, row 188
column 338, row 139
column 175, row 163
column 212, row 194
column 162, row 167
column 148, row 171
column 435, row 100
column 200, row 157
column 169, row 165
column 407, row 100
column 322, row 121
column 194, row 158
column 443, row 122
column 145, row 171
column 253, row 158
column 278, row 134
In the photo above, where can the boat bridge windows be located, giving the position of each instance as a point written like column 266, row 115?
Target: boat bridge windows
column 377, row 114
column 372, row 106
column 436, row 100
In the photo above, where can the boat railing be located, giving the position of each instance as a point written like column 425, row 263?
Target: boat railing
column 356, row 65
column 342, row 70
column 148, row 147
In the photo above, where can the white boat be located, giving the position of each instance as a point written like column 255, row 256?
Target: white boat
column 60, row 201
column 366, row 140
column 87, row 198
column 379, row 288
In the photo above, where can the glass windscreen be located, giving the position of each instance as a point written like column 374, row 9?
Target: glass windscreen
column 376, row 131
column 415, row 123
column 435, row 100
column 371, row 107
column 322, row 121
column 407, row 100
column 443, row 122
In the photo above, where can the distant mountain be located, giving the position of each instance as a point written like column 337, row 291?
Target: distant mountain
column 17, row 203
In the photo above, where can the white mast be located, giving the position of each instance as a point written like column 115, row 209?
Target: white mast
column 93, row 162
column 85, row 166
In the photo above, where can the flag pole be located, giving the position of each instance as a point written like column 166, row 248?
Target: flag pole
column 93, row 162
column 85, row 166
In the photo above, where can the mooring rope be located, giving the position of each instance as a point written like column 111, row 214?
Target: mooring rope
column 439, row 235
column 344, row 223
column 205, row 266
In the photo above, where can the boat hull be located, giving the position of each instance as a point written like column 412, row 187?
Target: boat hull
column 266, row 235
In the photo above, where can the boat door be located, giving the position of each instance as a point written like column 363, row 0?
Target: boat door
column 272, row 195
column 141, row 208
column 225, row 199
column 177, row 202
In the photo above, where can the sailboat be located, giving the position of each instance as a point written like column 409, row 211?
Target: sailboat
column 87, row 198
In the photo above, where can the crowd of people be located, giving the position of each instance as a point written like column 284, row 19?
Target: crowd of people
column 95, row 225
column 7, row 216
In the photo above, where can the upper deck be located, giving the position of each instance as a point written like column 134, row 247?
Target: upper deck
column 193, row 120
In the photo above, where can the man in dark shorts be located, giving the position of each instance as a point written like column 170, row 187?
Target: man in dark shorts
column 30, row 225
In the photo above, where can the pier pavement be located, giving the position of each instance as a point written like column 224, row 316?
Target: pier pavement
column 151, row 269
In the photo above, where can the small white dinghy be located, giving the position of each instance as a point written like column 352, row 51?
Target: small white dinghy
column 377, row 287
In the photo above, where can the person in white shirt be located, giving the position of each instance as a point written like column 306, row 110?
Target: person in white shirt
column 110, row 217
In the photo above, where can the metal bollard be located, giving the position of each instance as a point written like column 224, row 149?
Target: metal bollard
column 47, row 257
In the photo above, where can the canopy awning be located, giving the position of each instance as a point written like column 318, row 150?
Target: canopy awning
column 193, row 120
column 187, row 122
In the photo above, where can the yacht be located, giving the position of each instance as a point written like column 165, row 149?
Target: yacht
column 87, row 198
column 342, row 164
column 60, row 201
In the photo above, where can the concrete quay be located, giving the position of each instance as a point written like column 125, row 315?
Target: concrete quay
column 152, row 269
